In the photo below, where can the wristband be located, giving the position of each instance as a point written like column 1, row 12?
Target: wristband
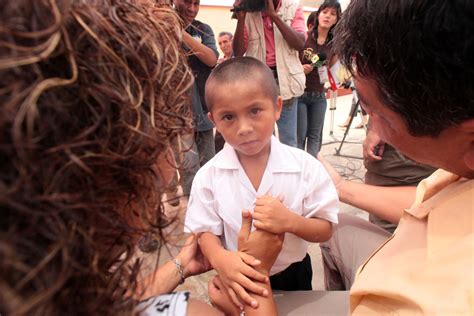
column 179, row 266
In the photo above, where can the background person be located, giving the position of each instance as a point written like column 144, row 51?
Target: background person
column 312, row 104
column 225, row 44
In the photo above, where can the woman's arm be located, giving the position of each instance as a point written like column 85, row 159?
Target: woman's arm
column 168, row 277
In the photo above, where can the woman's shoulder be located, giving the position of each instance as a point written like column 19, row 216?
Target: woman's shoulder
column 175, row 303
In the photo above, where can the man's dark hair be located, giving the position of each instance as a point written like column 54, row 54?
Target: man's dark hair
column 226, row 33
column 420, row 55
column 246, row 69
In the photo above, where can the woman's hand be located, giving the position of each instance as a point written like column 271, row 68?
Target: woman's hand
column 220, row 298
column 192, row 258
column 307, row 68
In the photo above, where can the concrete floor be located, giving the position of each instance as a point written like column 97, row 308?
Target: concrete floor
column 348, row 163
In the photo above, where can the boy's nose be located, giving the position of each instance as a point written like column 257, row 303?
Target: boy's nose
column 245, row 127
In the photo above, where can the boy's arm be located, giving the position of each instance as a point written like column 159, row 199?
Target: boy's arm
column 272, row 216
column 236, row 270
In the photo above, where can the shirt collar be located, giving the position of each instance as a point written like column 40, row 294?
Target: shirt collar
column 428, row 188
column 279, row 159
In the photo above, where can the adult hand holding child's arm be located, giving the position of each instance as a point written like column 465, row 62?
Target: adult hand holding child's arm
column 236, row 270
column 259, row 244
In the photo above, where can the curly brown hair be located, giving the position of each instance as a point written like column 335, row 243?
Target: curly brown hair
column 92, row 94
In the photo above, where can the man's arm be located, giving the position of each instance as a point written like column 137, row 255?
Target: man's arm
column 205, row 51
column 385, row 202
column 294, row 38
column 238, row 41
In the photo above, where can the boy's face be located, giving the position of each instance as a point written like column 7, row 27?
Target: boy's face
column 244, row 115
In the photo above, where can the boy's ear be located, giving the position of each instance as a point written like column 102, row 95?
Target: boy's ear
column 211, row 118
column 278, row 107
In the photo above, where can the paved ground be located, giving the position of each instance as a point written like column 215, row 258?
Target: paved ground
column 348, row 163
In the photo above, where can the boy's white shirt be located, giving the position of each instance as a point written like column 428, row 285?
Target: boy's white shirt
column 221, row 190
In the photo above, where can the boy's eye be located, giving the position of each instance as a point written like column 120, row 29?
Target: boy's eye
column 255, row 111
column 227, row 117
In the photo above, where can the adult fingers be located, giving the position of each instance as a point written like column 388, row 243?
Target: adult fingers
column 244, row 296
column 233, row 298
column 246, row 227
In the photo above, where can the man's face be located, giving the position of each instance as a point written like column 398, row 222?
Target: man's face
column 187, row 9
column 225, row 44
column 440, row 151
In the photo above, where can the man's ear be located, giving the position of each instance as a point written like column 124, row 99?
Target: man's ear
column 278, row 107
column 468, row 128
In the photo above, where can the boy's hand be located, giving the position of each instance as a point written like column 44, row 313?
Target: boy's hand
column 236, row 272
column 271, row 215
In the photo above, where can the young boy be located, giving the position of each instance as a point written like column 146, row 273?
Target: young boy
column 287, row 190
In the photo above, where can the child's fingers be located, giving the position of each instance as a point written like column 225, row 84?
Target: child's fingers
column 250, row 272
column 262, row 200
column 248, row 259
column 259, row 225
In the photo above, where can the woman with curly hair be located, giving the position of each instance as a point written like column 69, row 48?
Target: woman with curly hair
column 92, row 96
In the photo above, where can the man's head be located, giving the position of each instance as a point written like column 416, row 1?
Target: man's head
column 187, row 9
column 225, row 43
column 413, row 68
column 242, row 97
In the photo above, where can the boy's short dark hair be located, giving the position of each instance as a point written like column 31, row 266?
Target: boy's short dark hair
column 420, row 55
column 246, row 69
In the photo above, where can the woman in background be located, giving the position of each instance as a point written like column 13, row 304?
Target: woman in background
column 312, row 104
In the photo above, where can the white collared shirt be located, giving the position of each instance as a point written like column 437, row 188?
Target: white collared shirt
column 221, row 190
